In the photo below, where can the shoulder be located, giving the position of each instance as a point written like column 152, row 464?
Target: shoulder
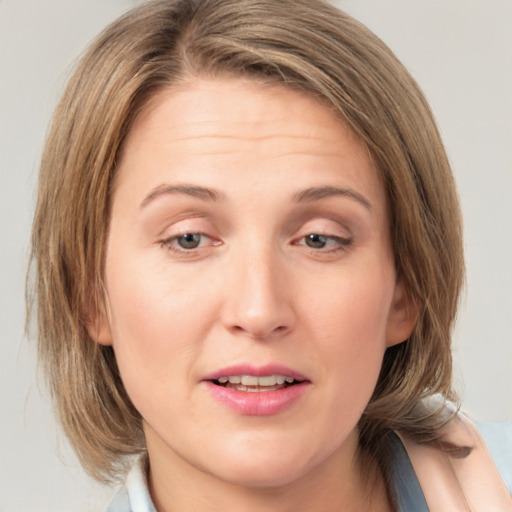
column 459, row 467
column 498, row 439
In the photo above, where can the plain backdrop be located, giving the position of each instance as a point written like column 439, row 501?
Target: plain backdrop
column 460, row 51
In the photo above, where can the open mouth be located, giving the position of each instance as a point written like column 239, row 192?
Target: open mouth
column 252, row 383
column 257, row 391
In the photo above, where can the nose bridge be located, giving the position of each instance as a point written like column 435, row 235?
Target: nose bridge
column 257, row 302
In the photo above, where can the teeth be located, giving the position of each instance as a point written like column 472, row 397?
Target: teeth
column 267, row 381
column 252, row 380
column 249, row 380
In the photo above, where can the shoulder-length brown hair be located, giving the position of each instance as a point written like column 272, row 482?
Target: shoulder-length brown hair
column 304, row 44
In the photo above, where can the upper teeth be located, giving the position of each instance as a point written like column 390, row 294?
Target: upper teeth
column 251, row 380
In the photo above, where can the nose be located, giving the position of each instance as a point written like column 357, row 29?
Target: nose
column 258, row 296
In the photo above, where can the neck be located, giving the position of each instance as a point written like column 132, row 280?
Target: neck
column 336, row 485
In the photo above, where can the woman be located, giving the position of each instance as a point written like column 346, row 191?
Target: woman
column 249, row 258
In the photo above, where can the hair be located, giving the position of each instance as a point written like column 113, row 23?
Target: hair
column 308, row 45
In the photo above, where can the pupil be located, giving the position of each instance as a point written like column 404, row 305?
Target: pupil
column 189, row 240
column 316, row 241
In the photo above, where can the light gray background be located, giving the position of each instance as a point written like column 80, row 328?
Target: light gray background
column 460, row 51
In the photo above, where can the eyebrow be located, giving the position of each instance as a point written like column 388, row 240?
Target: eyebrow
column 318, row 193
column 207, row 194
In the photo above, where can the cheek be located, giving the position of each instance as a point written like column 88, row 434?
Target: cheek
column 148, row 303
column 350, row 325
column 354, row 308
column 155, row 330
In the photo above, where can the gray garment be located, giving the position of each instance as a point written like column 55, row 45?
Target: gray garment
column 408, row 493
column 134, row 496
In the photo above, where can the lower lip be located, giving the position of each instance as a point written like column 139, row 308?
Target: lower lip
column 258, row 403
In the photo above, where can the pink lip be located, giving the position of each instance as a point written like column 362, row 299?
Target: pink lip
column 263, row 403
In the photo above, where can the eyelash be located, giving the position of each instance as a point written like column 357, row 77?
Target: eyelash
column 168, row 243
column 340, row 243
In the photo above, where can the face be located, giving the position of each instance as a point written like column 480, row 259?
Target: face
column 250, row 281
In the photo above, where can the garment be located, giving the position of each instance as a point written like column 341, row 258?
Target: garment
column 134, row 497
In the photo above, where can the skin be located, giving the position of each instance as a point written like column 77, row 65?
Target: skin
column 253, row 291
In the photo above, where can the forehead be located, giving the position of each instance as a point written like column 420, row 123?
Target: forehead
column 223, row 106
column 243, row 125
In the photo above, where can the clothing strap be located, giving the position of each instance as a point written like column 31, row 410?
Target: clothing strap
column 458, row 483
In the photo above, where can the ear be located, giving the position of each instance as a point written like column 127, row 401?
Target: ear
column 97, row 322
column 402, row 317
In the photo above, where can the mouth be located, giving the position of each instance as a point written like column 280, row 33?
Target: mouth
column 257, row 390
column 255, row 383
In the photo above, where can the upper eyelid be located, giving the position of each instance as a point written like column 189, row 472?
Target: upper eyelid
column 183, row 225
column 175, row 236
column 327, row 227
column 331, row 237
column 170, row 243
column 202, row 223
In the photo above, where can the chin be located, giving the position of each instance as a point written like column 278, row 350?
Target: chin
column 262, row 469
column 267, row 477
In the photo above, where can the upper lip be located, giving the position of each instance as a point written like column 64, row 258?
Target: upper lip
column 257, row 371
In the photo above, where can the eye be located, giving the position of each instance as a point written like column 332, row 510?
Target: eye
column 319, row 241
column 316, row 241
column 188, row 242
